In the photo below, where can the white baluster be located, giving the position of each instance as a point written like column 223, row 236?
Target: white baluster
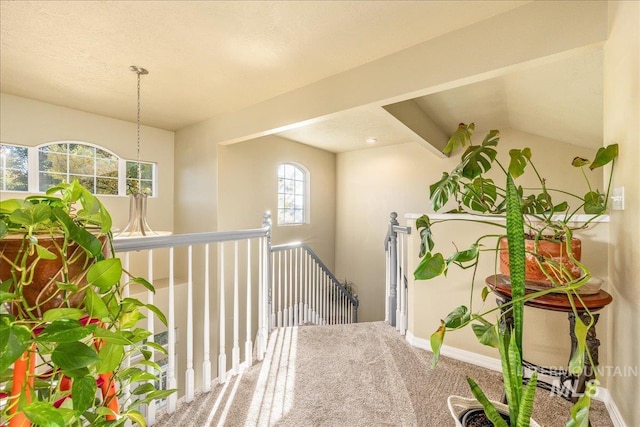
column 280, row 324
column 273, row 292
column 151, row 407
column 285, row 311
column 387, row 285
column 172, row 381
column 126, row 392
column 222, row 356
column 206, row 364
column 261, row 297
column 190, row 373
column 235, row 352
column 248, row 345
column 294, row 265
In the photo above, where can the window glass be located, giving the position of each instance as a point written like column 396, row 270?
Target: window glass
column 140, row 179
column 292, row 197
column 14, row 168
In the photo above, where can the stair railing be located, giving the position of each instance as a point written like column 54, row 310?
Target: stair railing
column 208, row 266
column 395, row 245
column 305, row 291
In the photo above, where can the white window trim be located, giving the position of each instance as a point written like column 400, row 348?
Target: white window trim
column 34, row 170
column 307, row 197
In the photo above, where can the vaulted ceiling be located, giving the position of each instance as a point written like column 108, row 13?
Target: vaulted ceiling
column 212, row 58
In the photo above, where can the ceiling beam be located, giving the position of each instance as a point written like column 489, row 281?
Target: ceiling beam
column 531, row 34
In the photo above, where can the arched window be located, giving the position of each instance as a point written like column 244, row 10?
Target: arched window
column 293, row 194
column 96, row 169
column 36, row 169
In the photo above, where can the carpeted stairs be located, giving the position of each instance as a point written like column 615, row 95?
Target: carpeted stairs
column 364, row 374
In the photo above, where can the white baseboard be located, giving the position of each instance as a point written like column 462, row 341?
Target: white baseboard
column 603, row 395
column 455, row 353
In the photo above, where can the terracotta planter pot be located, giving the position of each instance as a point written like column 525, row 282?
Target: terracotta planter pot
column 545, row 250
column 43, row 292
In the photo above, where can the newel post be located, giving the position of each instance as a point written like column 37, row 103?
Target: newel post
column 392, row 242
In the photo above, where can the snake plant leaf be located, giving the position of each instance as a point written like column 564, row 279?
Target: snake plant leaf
column 604, row 155
column 526, row 403
column 477, row 159
column 83, row 390
column 576, row 363
column 489, row 409
column 461, row 137
column 441, row 191
column 430, row 266
column 594, row 203
column 44, row 414
column 515, row 237
column 105, row 273
column 519, row 160
column 14, row 340
column 436, row 340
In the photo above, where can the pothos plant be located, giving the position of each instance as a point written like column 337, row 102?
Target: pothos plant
column 535, row 210
column 65, row 354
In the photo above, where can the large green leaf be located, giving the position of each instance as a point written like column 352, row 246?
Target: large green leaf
column 580, row 410
column 478, row 159
column 447, row 187
column 604, row 155
column 31, row 216
column 111, row 355
column 73, row 355
column 461, row 137
column 423, row 225
column 519, row 160
column 14, row 340
column 480, row 195
column 96, row 308
column 594, row 203
column 80, row 235
column 44, row 414
column 65, row 330
column 576, row 363
column 62, row 313
column 430, row 266
column 486, row 333
column 83, row 390
column 436, row 340
column 105, row 273
column 111, row 336
column 460, row 316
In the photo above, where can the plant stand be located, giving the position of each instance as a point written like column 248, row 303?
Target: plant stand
column 570, row 386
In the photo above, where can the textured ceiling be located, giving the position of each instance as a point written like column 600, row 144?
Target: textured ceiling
column 204, row 57
column 213, row 57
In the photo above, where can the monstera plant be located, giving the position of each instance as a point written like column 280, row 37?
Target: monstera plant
column 531, row 215
column 67, row 331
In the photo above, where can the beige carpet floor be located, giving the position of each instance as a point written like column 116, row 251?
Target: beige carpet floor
column 350, row 375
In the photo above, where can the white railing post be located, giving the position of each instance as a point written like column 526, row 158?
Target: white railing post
column 222, row 356
column 151, row 406
column 235, row 352
column 206, row 364
column 248, row 345
column 190, row 373
column 172, row 381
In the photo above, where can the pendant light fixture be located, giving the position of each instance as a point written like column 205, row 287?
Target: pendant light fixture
column 137, row 225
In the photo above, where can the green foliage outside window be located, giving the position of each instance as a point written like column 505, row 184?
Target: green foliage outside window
column 14, row 168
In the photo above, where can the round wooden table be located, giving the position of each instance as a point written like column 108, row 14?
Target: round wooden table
column 570, row 386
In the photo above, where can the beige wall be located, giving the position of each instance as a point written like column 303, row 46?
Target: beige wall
column 31, row 123
column 374, row 182
column 622, row 125
column 248, row 186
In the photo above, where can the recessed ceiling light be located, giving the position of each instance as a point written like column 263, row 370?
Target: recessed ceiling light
column 371, row 141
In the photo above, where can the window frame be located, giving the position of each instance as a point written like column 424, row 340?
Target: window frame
column 306, row 207
column 33, row 169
